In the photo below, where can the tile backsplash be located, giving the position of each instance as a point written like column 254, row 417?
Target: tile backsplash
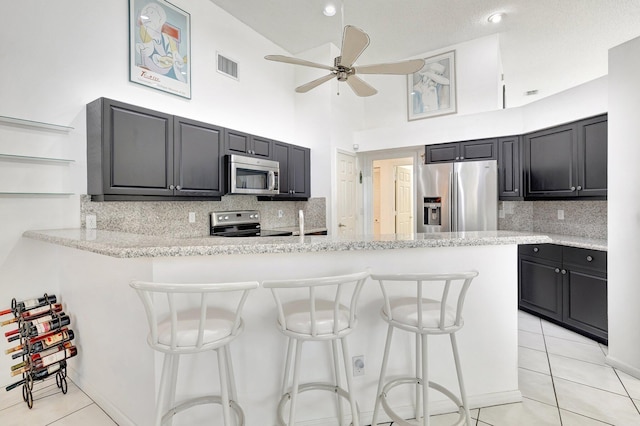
column 580, row 218
column 172, row 217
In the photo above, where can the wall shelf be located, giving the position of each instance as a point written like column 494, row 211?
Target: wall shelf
column 10, row 157
column 35, row 194
column 34, row 124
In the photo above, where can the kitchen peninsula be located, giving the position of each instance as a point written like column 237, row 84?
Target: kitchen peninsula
column 120, row 372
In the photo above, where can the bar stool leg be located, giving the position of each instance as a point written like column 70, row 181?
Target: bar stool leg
column 224, row 386
column 419, row 408
column 162, row 391
column 347, row 370
column 295, row 385
column 336, row 371
column 175, row 361
column 425, row 381
column 233, row 394
column 287, row 365
column 383, row 372
column 463, row 392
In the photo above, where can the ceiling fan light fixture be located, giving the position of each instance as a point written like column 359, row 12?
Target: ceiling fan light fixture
column 329, row 10
column 496, row 17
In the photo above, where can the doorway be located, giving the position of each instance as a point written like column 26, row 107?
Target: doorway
column 392, row 201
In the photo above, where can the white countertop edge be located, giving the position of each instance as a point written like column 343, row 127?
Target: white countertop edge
column 126, row 245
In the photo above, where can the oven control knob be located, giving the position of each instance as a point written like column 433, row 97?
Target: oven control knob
column 219, row 217
column 226, row 218
column 250, row 216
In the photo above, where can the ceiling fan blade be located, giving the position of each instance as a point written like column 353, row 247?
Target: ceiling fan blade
column 360, row 87
column 315, row 83
column 295, row 61
column 354, row 41
column 402, row 67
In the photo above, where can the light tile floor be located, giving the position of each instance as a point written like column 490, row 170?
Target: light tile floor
column 563, row 379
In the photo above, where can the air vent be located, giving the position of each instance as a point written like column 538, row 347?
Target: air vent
column 227, row 67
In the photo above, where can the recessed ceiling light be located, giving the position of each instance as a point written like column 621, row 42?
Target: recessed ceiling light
column 329, row 10
column 495, row 18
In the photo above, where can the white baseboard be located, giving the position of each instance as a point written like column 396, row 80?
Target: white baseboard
column 111, row 410
column 624, row 367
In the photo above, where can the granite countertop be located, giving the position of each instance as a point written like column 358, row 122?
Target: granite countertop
column 126, row 245
column 580, row 242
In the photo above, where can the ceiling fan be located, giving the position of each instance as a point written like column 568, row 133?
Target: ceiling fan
column 354, row 41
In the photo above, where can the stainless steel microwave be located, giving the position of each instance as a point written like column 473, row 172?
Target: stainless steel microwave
column 249, row 175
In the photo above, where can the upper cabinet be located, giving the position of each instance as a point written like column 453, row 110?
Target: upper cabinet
column 510, row 168
column 295, row 170
column 236, row 142
column 474, row 150
column 137, row 153
column 567, row 161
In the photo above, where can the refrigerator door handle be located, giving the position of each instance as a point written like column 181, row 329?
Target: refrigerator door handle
column 454, row 202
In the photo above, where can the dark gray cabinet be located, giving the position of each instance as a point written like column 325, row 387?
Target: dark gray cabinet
column 567, row 161
column 135, row 153
column 566, row 285
column 510, row 168
column 295, row 170
column 197, row 158
column 474, row 150
column 236, row 142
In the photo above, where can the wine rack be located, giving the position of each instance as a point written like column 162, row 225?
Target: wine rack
column 42, row 339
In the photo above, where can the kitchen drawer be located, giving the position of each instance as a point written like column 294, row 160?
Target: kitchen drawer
column 585, row 258
column 541, row 251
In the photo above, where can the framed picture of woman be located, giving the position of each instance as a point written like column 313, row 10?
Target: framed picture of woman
column 431, row 91
column 160, row 46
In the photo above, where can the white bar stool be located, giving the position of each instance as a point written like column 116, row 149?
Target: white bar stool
column 178, row 328
column 317, row 309
column 422, row 316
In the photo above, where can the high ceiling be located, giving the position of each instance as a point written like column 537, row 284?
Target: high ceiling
column 546, row 45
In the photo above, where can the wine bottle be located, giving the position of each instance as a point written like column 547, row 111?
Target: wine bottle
column 39, row 374
column 30, row 360
column 54, row 339
column 35, row 339
column 47, row 360
column 30, row 304
column 34, row 313
column 37, row 329
column 38, row 320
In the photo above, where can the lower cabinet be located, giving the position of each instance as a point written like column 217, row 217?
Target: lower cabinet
column 565, row 285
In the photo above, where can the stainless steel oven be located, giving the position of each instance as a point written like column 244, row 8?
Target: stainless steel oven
column 249, row 175
column 240, row 223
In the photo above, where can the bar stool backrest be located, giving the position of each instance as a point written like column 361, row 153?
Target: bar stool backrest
column 320, row 301
column 198, row 316
column 439, row 296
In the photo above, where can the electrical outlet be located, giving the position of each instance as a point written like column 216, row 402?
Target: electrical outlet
column 560, row 214
column 192, row 217
column 90, row 221
column 358, row 365
column 280, row 214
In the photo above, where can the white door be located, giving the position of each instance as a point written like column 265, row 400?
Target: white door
column 346, row 175
column 404, row 205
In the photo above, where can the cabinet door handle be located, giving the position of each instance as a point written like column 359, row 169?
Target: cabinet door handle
column 573, row 188
column 563, row 272
column 557, row 270
column 589, row 258
column 462, row 158
column 516, row 190
column 178, row 187
column 457, row 158
column 536, row 249
column 171, row 187
column 579, row 188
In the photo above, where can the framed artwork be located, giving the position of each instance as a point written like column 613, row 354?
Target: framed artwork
column 432, row 90
column 160, row 46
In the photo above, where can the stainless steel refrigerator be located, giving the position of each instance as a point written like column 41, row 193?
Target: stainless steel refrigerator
column 457, row 197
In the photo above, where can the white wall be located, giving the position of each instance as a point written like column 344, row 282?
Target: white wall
column 624, row 207
column 58, row 56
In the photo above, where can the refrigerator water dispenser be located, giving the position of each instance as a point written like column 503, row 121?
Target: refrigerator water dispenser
column 432, row 211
